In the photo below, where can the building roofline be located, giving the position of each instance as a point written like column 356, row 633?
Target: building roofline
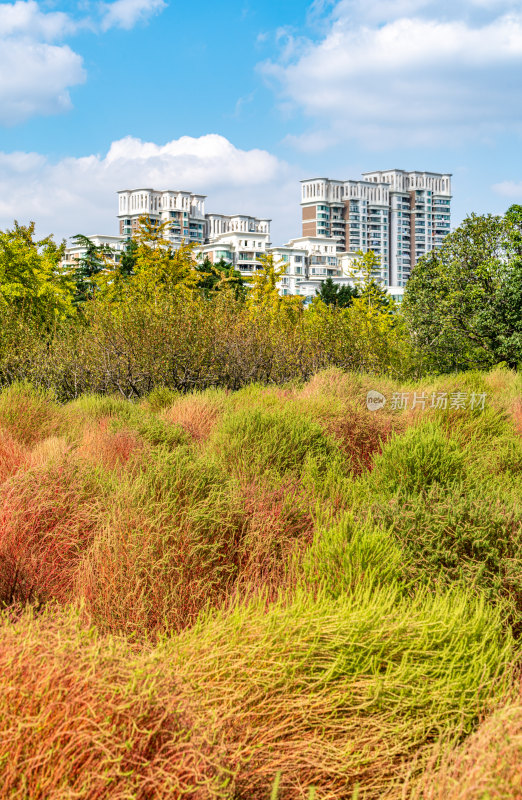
column 161, row 191
column 229, row 216
column 408, row 172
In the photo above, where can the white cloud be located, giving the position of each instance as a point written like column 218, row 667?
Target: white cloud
column 35, row 75
column 388, row 78
column 509, row 189
column 37, row 69
column 24, row 18
column 35, row 78
column 126, row 13
column 79, row 194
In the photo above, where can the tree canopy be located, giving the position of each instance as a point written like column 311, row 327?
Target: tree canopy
column 334, row 295
column 32, row 283
column 464, row 301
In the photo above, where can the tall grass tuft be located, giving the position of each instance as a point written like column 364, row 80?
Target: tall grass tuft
column 335, row 691
column 29, row 414
column 271, row 443
column 421, row 457
column 90, row 717
column 48, row 517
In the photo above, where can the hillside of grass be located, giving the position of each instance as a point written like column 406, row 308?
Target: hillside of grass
column 269, row 592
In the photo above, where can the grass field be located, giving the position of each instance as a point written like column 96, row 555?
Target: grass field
column 273, row 592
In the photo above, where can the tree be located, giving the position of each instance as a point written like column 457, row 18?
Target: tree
column 90, row 264
column 32, row 282
column 220, row 276
column 128, row 258
column 370, row 289
column 334, row 295
column 265, row 281
column 464, row 301
column 158, row 268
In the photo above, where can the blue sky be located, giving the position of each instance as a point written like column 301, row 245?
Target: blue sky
column 240, row 100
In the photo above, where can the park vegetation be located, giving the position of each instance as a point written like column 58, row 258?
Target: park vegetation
column 222, row 577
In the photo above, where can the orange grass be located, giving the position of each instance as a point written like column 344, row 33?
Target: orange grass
column 108, row 448
column 488, row 766
column 92, row 719
column 48, row 515
column 12, row 455
column 197, row 413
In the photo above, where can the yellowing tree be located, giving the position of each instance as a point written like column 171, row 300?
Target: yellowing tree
column 264, row 291
column 264, row 283
column 159, row 269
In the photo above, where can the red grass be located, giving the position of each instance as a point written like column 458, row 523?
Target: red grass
column 279, row 524
column 110, row 449
column 48, row 515
column 361, row 434
column 488, row 766
column 12, row 455
column 88, row 718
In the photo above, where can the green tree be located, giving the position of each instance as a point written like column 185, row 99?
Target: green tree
column 464, row 301
column 128, row 258
column 90, row 264
column 220, row 276
column 334, row 295
column 33, row 283
column 366, row 271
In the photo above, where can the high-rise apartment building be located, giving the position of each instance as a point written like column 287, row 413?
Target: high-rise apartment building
column 185, row 212
column 399, row 215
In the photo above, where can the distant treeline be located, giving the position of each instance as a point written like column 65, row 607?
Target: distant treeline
column 161, row 317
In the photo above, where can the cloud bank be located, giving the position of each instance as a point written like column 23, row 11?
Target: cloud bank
column 78, row 195
column 407, row 72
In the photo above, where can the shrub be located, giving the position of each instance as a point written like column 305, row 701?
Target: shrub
column 419, row 458
column 87, row 717
column 338, row 691
column 260, row 442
